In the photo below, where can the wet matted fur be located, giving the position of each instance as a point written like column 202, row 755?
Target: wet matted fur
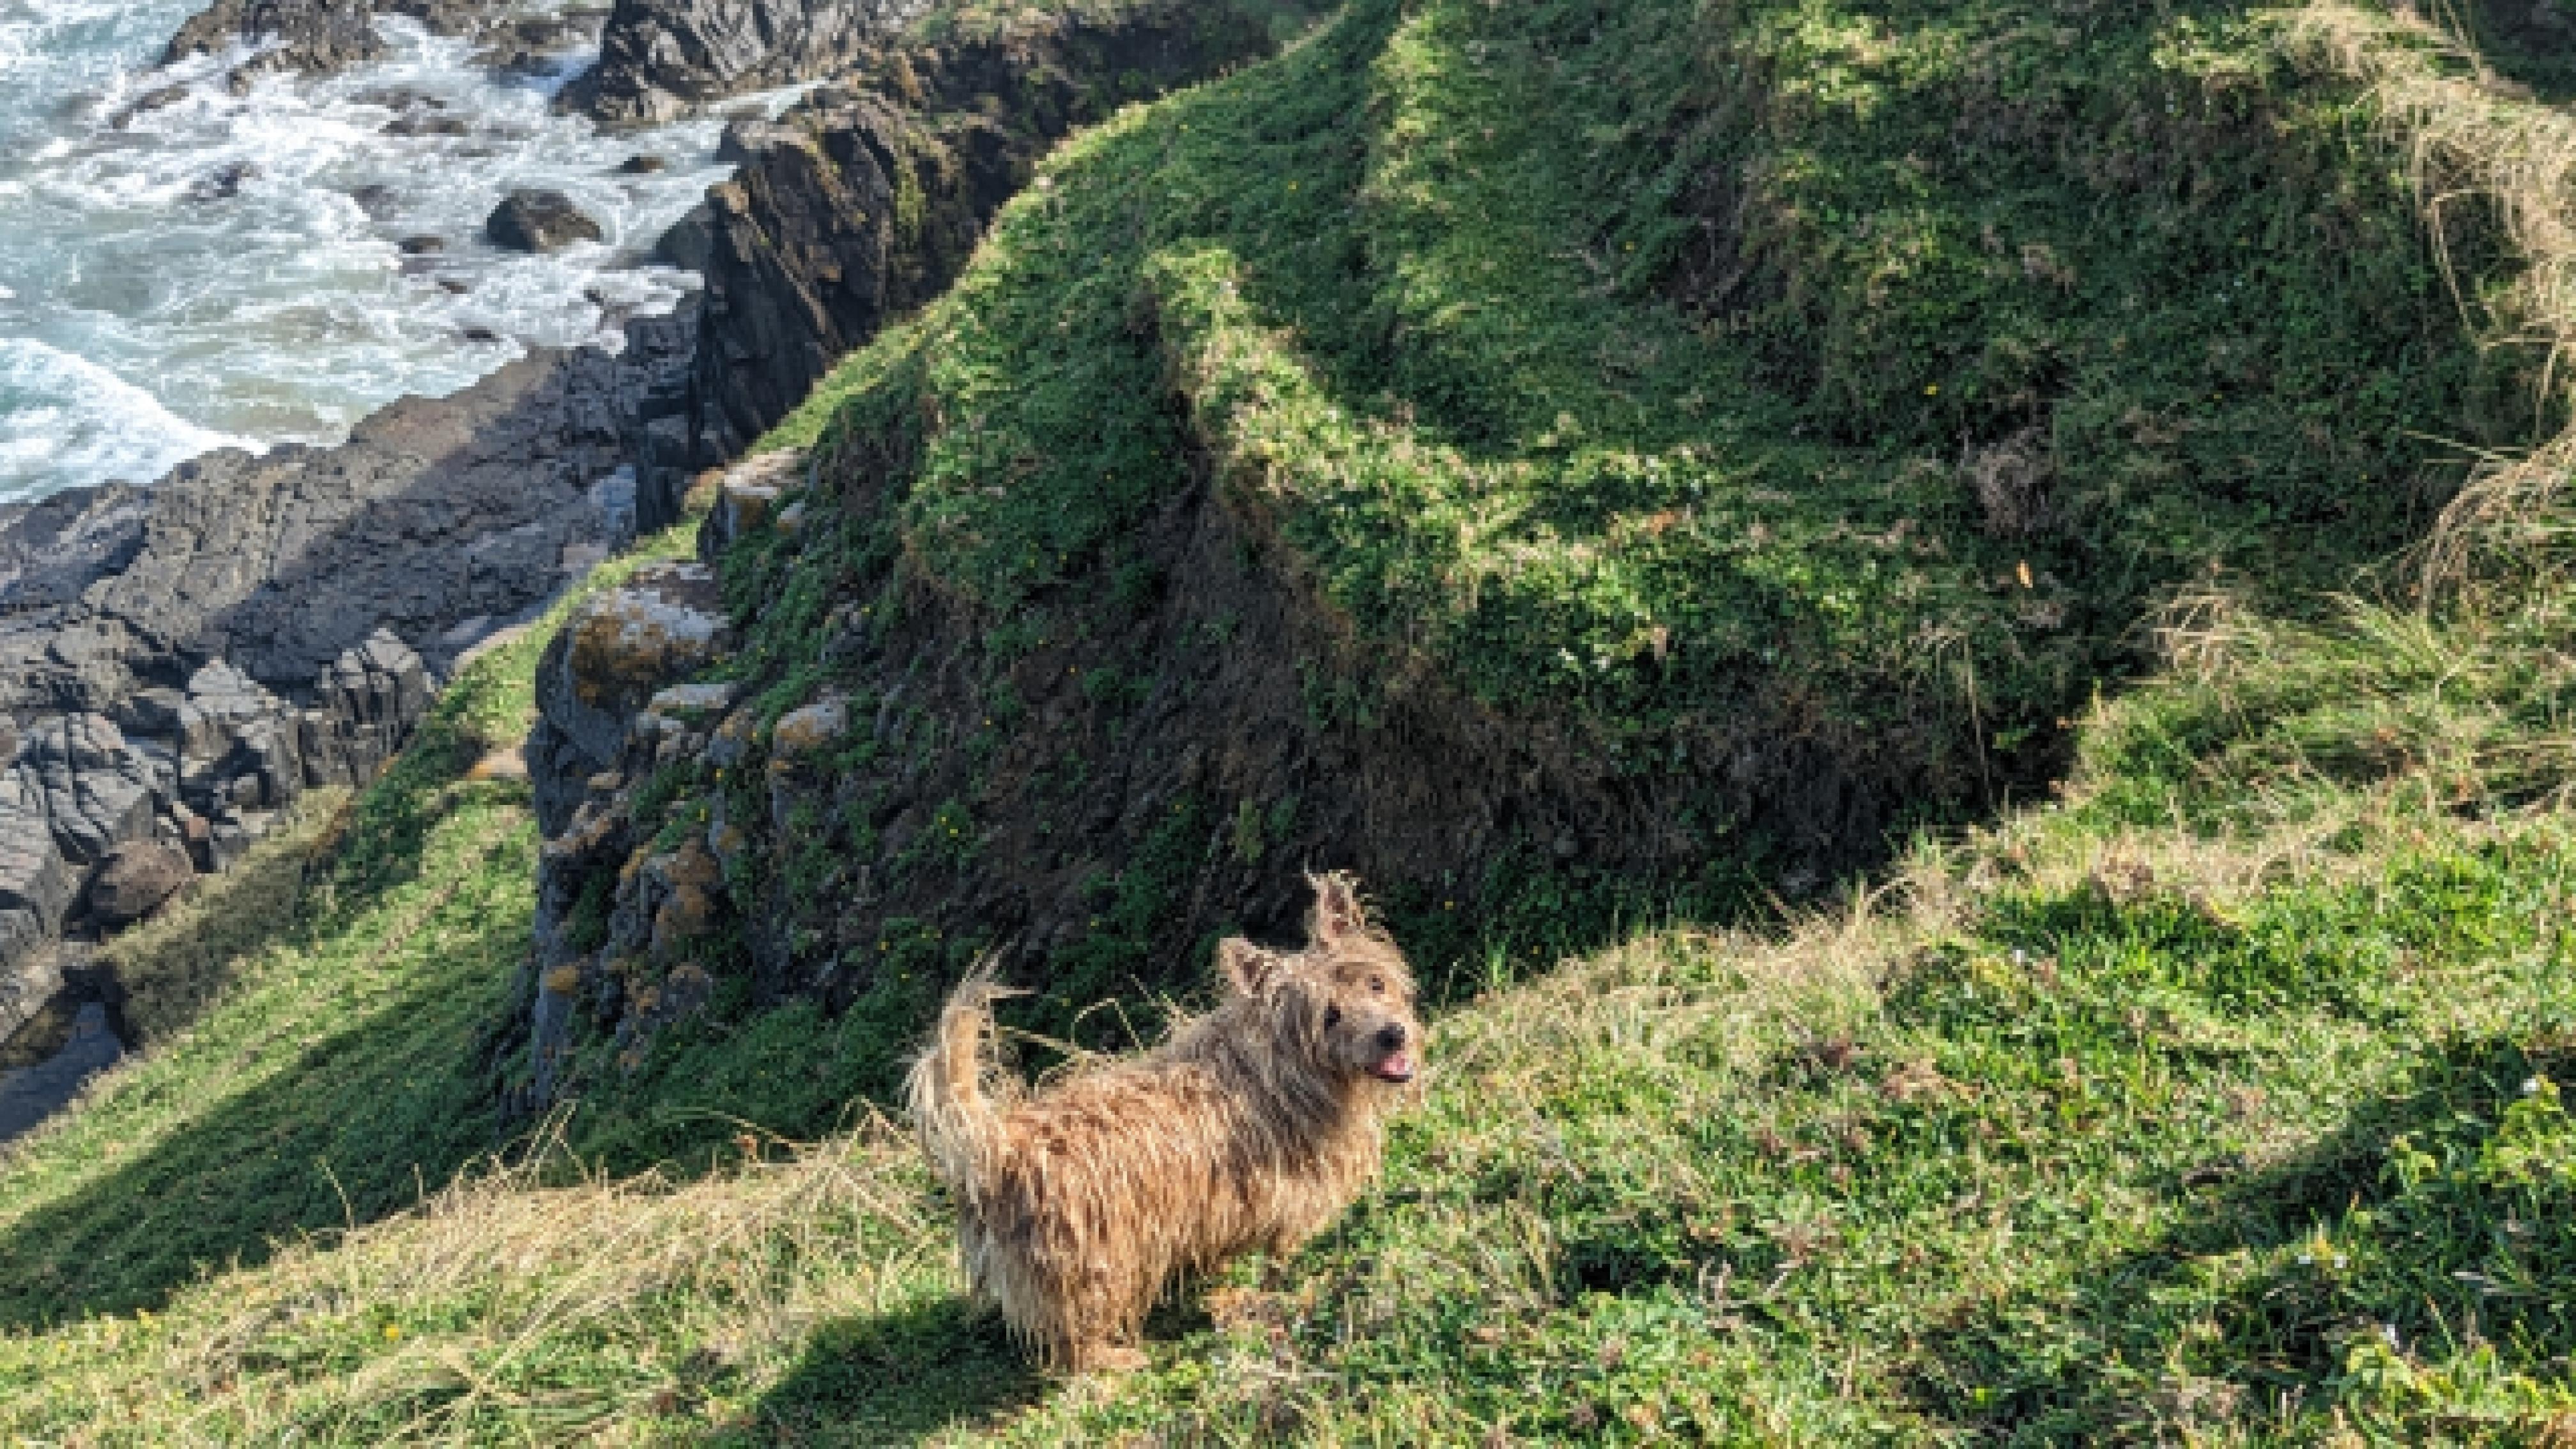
column 1249, row 1128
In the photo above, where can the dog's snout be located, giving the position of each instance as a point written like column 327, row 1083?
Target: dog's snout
column 1391, row 1036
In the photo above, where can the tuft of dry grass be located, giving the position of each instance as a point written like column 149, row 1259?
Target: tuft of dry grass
column 535, row 1295
column 2472, row 142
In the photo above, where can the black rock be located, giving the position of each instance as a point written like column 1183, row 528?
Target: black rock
column 661, row 59
column 642, row 165
column 689, row 242
column 539, row 221
column 309, row 37
column 417, row 246
column 427, row 123
column 223, row 183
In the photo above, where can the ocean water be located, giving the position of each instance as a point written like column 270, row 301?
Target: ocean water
column 230, row 270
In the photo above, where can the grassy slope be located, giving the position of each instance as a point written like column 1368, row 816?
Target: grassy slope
column 1442, row 235
column 2221, row 1097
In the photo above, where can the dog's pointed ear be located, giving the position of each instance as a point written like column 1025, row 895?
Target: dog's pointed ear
column 1338, row 918
column 1246, row 967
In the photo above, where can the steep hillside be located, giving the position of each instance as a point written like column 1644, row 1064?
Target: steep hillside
column 1561, row 461
column 1608, row 472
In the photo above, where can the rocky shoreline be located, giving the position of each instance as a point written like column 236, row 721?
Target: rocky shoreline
column 658, row 60
column 180, row 662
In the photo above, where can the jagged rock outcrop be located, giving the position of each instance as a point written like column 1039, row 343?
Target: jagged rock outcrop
column 607, row 663
column 858, row 206
column 611, row 710
column 324, row 37
column 310, row 37
column 180, row 663
column 661, row 59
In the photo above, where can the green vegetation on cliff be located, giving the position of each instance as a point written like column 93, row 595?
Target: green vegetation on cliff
column 2216, row 1096
column 1708, row 373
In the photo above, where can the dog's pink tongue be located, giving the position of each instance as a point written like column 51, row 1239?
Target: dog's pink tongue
column 1398, row 1066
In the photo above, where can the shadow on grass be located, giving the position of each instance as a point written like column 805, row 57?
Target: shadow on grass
column 896, row 1378
column 2169, row 1338
column 343, row 1082
column 2531, row 42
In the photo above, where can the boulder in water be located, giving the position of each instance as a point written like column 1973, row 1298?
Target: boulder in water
column 539, row 221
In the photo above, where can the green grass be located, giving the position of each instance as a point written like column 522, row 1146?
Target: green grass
column 2217, row 1097
column 341, row 1069
column 1552, row 407
column 2090, row 1132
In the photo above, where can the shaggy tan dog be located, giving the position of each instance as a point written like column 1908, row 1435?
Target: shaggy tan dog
column 1249, row 1128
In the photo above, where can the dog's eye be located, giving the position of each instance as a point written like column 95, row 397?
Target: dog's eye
column 1332, row 1016
column 1378, row 985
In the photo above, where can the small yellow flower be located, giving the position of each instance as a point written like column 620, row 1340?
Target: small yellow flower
column 392, row 1331
column 1934, row 390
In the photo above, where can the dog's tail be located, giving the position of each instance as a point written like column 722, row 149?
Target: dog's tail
column 960, row 1126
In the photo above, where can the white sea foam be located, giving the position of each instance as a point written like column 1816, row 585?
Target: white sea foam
column 230, row 268
column 61, row 416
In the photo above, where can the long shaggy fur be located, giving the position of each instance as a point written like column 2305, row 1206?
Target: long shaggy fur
column 1250, row 1128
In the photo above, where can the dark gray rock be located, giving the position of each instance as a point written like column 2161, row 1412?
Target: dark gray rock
column 365, row 703
column 308, row 37
column 324, row 37
column 223, row 183
column 78, row 776
column 36, row 883
column 157, row 99
column 427, row 123
column 661, row 59
column 621, row 648
column 136, row 879
column 179, row 663
column 690, row 240
column 539, row 221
